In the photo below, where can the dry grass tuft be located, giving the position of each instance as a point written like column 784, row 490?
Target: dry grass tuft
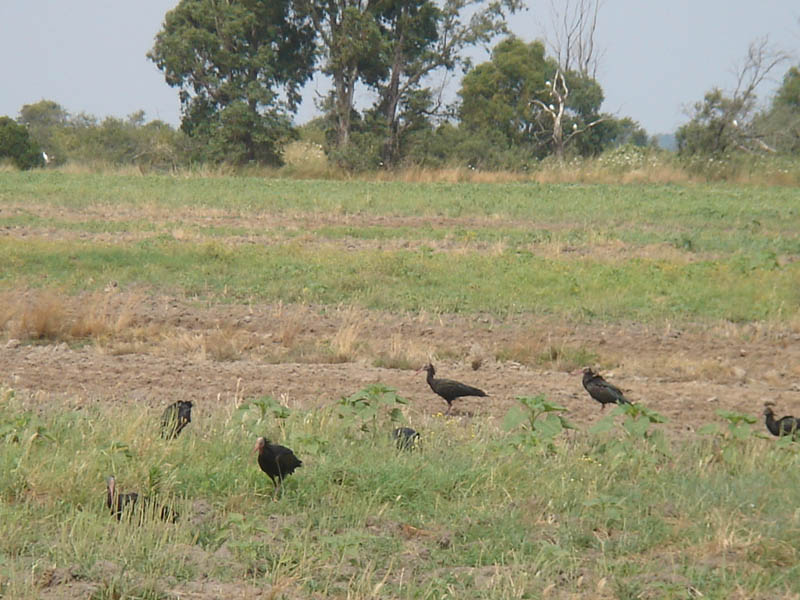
column 225, row 343
column 346, row 341
column 39, row 317
column 564, row 357
column 291, row 321
column 448, row 175
column 8, row 308
column 104, row 314
column 104, row 317
column 545, row 351
column 402, row 353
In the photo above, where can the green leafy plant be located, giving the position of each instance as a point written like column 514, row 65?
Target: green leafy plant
column 637, row 422
column 536, row 419
column 730, row 439
column 266, row 406
column 367, row 405
column 738, row 426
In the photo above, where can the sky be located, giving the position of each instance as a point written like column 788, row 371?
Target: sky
column 658, row 57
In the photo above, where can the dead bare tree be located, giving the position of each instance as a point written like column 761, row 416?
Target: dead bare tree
column 559, row 93
column 761, row 60
column 574, row 24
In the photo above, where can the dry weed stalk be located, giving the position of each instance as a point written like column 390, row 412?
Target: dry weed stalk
column 346, row 340
column 291, row 321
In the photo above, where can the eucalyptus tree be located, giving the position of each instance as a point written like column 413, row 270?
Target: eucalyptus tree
column 239, row 65
column 527, row 97
column 394, row 48
column 729, row 121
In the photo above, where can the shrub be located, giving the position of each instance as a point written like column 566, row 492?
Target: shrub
column 16, row 144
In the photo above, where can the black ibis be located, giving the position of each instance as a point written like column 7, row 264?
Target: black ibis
column 118, row 503
column 784, row 426
column 449, row 389
column 405, row 438
column 601, row 390
column 276, row 461
column 176, row 416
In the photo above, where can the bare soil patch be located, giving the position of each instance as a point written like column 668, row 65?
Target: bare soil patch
column 167, row 349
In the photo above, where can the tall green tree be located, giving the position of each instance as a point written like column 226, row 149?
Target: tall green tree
column 524, row 95
column 424, row 37
column 393, row 47
column 729, row 121
column 17, row 146
column 239, row 65
column 788, row 95
column 781, row 122
column 352, row 49
column 45, row 120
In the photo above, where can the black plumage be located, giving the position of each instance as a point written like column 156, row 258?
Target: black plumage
column 405, row 438
column 601, row 390
column 787, row 425
column 175, row 417
column 118, row 503
column 276, row 461
column 449, row 389
column 115, row 502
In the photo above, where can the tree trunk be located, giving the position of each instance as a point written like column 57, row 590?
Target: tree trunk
column 390, row 101
column 344, row 84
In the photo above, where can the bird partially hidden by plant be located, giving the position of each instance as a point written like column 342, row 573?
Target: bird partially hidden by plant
column 275, row 460
column 787, row 425
column 601, row 390
column 450, row 389
column 175, row 417
column 125, row 504
column 405, row 438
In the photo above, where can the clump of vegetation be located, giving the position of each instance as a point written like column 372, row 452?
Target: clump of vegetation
column 371, row 407
column 537, row 419
column 17, row 146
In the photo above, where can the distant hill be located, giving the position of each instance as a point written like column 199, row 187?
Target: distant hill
column 666, row 141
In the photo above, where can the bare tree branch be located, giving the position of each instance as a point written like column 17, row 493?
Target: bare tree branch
column 760, row 61
column 574, row 27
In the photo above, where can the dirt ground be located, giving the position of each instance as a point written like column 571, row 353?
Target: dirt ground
column 305, row 356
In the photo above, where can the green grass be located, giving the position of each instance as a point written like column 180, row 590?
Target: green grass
column 737, row 288
column 694, row 252
column 718, row 207
column 469, row 515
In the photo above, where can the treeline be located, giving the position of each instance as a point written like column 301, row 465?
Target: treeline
column 239, row 68
column 50, row 136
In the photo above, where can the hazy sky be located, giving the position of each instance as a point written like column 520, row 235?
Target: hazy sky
column 658, row 56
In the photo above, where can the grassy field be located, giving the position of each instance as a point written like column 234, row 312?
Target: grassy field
column 500, row 507
column 476, row 512
column 575, row 251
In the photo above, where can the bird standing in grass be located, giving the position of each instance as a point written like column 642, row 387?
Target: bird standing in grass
column 405, row 438
column 276, row 461
column 449, row 389
column 117, row 503
column 176, row 416
column 601, row 390
column 787, row 425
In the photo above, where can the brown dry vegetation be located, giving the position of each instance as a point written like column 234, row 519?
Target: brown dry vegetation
column 144, row 344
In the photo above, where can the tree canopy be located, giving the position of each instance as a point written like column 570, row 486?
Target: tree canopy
column 393, row 47
column 239, row 65
column 16, row 145
column 516, row 92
